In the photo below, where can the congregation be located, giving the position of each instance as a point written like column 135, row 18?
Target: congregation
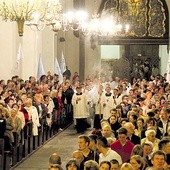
column 129, row 122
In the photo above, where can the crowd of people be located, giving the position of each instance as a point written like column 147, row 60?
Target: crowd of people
column 130, row 126
column 129, row 121
column 30, row 108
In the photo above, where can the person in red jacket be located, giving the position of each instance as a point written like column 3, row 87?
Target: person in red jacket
column 123, row 146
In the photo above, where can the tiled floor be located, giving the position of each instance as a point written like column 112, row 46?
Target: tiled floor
column 63, row 144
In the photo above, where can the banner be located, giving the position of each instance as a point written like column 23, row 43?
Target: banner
column 57, row 70
column 168, row 70
column 19, row 57
column 41, row 70
column 63, row 64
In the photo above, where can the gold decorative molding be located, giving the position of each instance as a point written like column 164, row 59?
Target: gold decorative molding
column 146, row 18
column 156, row 19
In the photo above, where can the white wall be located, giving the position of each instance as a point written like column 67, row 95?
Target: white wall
column 48, row 49
column 7, row 49
column 163, row 54
column 110, row 51
column 10, row 41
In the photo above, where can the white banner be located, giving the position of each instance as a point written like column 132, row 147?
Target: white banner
column 41, row 70
column 57, row 70
column 63, row 64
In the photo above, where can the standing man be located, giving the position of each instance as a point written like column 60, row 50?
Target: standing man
column 67, row 95
column 130, row 132
column 106, row 154
column 164, row 145
column 123, row 146
column 158, row 160
column 67, row 73
column 164, row 122
column 84, row 142
column 80, row 110
column 97, row 102
column 107, row 103
column 54, row 160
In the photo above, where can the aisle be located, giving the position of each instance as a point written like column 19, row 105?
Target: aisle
column 63, row 144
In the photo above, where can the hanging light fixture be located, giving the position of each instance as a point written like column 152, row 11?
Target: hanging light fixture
column 71, row 20
column 39, row 13
column 106, row 23
column 23, row 10
column 120, row 18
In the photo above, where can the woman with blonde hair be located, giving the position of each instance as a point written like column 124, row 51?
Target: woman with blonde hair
column 107, row 132
column 126, row 166
column 137, row 162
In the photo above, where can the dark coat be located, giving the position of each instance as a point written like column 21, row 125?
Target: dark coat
column 135, row 139
column 44, row 113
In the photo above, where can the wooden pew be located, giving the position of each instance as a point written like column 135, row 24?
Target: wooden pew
column 40, row 135
column 7, row 160
column 47, row 133
column 15, row 147
column 19, row 152
column 30, row 138
column 28, row 143
column 1, row 153
column 20, row 147
column 25, row 145
column 35, row 142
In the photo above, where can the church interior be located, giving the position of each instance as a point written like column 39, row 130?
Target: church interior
column 94, row 39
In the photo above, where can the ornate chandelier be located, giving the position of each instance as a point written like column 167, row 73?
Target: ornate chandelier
column 71, row 20
column 96, row 25
column 133, row 18
column 23, row 10
column 39, row 13
column 105, row 25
